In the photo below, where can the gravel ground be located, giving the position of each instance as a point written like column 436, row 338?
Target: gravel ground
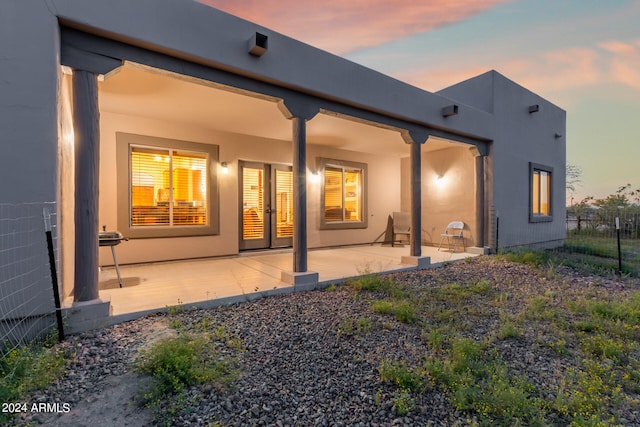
column 300, row 365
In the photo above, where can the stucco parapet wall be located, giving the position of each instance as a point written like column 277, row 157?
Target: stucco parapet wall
column 208, row 36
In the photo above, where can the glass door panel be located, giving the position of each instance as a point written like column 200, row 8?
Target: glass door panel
column 282, row 211
column 254, row 223
column 266, row 206
column 284, row 200
column 252, row 203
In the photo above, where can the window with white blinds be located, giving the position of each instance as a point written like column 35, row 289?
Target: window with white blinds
column 165, row 187
column 343, row 194
column 168, row 187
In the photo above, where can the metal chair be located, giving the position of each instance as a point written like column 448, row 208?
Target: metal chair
column 401, row 226
column 453, row 232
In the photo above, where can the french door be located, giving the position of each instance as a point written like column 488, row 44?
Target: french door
column 266, row 205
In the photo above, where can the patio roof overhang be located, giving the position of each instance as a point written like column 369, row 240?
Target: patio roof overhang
column 79, row 47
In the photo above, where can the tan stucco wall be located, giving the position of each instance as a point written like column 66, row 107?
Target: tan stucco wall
column 453, row 200
column 383, row 189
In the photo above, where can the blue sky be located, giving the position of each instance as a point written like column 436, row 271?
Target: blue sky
column 583, row 55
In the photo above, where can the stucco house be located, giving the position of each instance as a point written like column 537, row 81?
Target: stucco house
column 199, row 134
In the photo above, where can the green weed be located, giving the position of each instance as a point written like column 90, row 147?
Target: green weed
column 403, row 402
column 529, row 257
column 382, row 307
column 180, row 362
column 403, row 311
column 585, row 396
column 377, row 283
column 27, row 368
column 478, row 381
column 508, row 330
column 401, row 375
column 331, row 288
column 364, row 325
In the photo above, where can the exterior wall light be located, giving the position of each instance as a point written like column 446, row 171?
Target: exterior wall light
column 224, row 167
column 534, row 108
column 450, row 110
column 258, row 44
column 314, row 177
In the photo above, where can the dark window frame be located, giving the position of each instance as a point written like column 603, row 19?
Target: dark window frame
column 533, row 216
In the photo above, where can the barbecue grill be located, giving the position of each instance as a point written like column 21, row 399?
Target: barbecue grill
column 112, row 239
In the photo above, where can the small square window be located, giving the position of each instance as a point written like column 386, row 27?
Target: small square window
column 540, row 192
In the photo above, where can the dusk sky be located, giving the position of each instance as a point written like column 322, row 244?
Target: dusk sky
column 582, row 55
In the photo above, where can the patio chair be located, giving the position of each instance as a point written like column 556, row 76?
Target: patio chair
column 401, row 226
column 453, row 232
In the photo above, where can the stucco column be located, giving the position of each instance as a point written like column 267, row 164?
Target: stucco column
column 480, row 205
column 87, row 171
column 300, row 194
column 415, row 238
column 299, row 109
column 415, row 138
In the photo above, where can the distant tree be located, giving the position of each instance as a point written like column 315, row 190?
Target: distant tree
column 624, row 204
column 574, row 177
column 581, row 211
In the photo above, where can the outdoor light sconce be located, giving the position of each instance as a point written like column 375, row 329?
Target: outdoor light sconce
column 314, row 177
column 558, row 135
column 224, row 167
column 258, row 44
column 450, row 110
column 534, row 108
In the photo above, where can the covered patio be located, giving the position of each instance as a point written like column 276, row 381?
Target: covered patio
column 203, row 283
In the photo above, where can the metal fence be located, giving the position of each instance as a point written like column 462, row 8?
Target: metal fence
column 597, row 241
column 27, row 303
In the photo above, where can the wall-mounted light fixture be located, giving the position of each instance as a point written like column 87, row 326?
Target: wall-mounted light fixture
column 534, row 108
column 314, row 177
column 558, row 135
column 450, row 110
column 258, row 44
column 224, row 167
column 441, row 181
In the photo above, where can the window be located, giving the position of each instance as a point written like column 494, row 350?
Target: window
column 343, row 195
column 540, row 193
column 165, row 187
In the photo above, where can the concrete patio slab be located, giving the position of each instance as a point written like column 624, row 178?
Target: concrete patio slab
column 211, row 282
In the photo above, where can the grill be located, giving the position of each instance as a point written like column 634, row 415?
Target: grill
column 112, row 239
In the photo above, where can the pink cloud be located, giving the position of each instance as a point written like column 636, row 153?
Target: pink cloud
column 542, row 72
column 624, row 62
column 341, row 26
column 617, row 47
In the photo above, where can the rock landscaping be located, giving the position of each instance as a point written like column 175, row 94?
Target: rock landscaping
column 485, row 341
